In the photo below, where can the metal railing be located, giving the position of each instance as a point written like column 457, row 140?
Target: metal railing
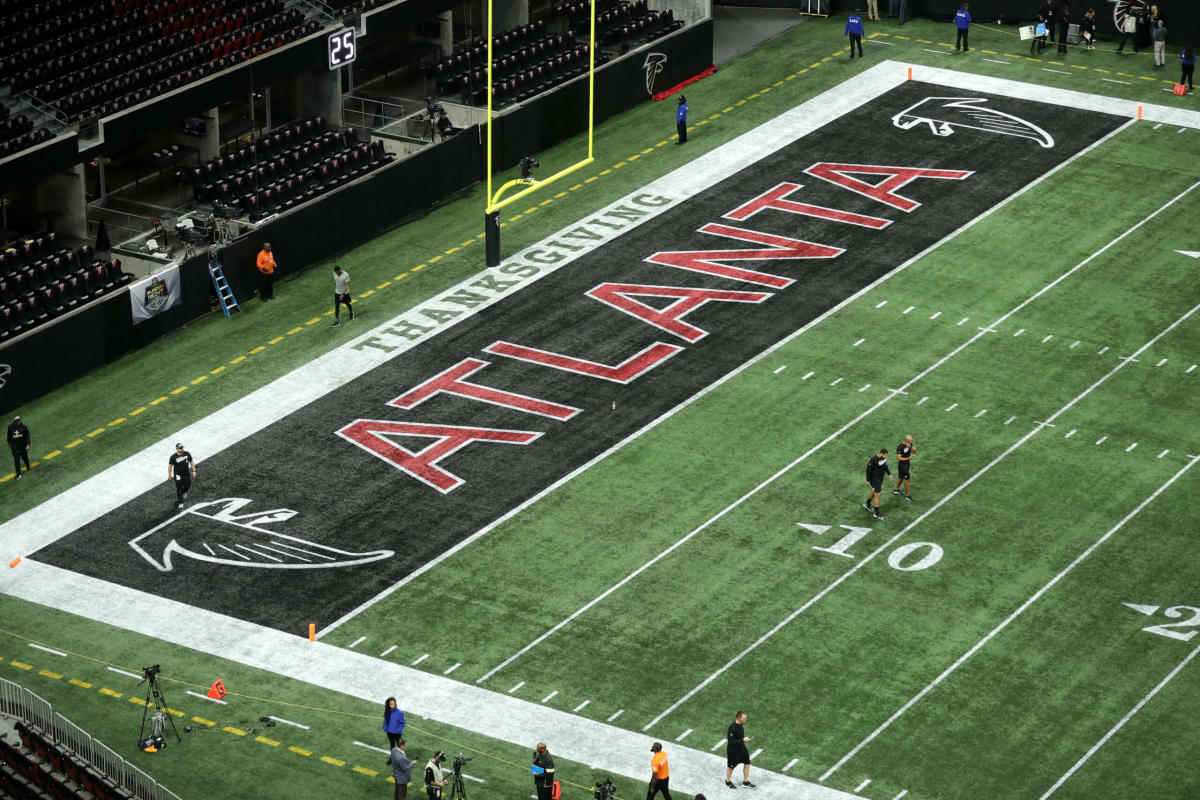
column 17, row 701
column 369, row 112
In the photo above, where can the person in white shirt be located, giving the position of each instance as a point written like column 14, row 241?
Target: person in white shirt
column 341, row 294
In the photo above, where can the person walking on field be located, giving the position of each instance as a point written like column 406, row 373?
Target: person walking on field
column 854, row 29
column 393, row 721
column 1064, row 26
column 659, row 774
column 543, row 772
column 736, row 751
column 181, row 468
column 18, row 443
column 962, row 21
column 1159, row 36
column 1187, row 60
column 681, row 120
column 266, row 272
column 341, row 294
column 876, row 468
column 904, row 455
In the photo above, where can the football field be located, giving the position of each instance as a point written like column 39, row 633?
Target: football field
column 615, row 488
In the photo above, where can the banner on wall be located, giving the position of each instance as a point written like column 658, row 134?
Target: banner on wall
column 155, row 294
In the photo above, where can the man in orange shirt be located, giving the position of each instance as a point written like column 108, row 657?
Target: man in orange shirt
column 659, row 774
column 266, row 271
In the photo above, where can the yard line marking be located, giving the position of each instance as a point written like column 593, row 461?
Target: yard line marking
column 862, row 785
column 419, row 660
column 1163, row 453
column 1070, row 433
column 936, row 314
column 1112, row 731
column 922, row 400
column 683, row 735
column 133, row 675
column 790, row 764
column 550, row 696
column 1189, row 369
column 620, row 711
column 1101, row 440
column 910, row 308
column 1059, row 71
column 1114, row 80
column 963, row 320
column 1048, row 338
column 863, row 415
column 715, row 746
column 385, row 652
column 902, row 793
column 779, row 370
column 835, row 382
column 1103, row 350
column 863, row 389
column 981, row 413
column 372, row 747
column 1128, row 449
column 997, row 61
column 952, row 406
column 860, row 341
column 518, row 686
column 807, row 376
column 1159, row 364
column 457, row 664
column 755, row 754
column 48, row 649
column 1072, row 347
column 289, row 722
column 888, row 544
column 358, row 641
column 1156, row 127
column 943, row 52
column 581, row 706
column 1050, row 584
column 473, row 778
column 205, row 697
column 1018, row 333
column 1009, row 420
column 881, row 305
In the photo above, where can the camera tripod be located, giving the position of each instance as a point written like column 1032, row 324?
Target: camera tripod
column 154, row 696
column 458, row 790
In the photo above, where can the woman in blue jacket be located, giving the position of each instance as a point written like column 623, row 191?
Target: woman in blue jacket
column 393, row 721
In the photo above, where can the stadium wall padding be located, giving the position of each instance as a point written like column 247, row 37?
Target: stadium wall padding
column 344, row 218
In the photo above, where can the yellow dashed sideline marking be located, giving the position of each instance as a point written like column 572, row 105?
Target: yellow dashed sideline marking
column 435, row 258
column 22, row 665
column 83, row 684
column 1078, row 66
column 313, row 321
column 1145, row 78
column 1100, row 70
column 95, row 433
column 605, row 171
column 333, row 761
column 482, row 235
column 589, row 180
column 651, row 149
column 905, row 38
column 726, row 110
column 201, row 379
column 384, row 285
column 990, row 52
column 294, row 331
column 299, row 751
column 276, row 340
column 203, row 721
column 265, row 740
column 234, row 731
column 77, row 442
column 367, row 293
column 238, row 360
column 420, row 267
column 8, row 477
column 109, row 692
column 137, row 411
column 49, row 456
column 751, row 97
column 49, row 674
column 400, row 277
column 139, row 701
column 618, row 165
column 451, row 250
column 116, row 422
column 546, row 202
column 366, row 771
column 221, row 368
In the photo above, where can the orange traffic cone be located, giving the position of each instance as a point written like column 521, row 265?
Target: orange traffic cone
column 217, row 690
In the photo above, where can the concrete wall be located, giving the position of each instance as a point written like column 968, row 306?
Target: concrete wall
column 687, row 10
column 63, row 195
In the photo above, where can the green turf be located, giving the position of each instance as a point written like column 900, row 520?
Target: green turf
column 1007, row 724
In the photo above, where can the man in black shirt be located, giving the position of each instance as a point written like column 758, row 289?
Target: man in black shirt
column 543, row 772
column 181, row 468
column 876, row 468
column 444, row 126
column 434, row 781
column 736, row 751
column 904, row 454
column 18, row 443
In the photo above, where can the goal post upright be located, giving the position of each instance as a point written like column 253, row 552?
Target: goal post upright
column 491, row 216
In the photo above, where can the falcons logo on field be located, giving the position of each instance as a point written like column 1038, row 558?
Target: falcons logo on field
column 654, row 65
column 1123, row 8
column 945, row 115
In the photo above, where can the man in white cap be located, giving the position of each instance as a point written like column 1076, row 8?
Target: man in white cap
column 18, row 443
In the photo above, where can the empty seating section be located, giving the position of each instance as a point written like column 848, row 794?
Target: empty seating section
column 17, row 133
column 38, row 769
column 96, row 58
column 40, row 279
column 620, row 23
column 290, row 165
column 346, row 7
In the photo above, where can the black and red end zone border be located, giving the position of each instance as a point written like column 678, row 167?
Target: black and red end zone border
column 318, row 513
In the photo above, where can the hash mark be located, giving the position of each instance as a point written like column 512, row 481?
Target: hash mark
column 1048, row 338
column 902, row 793
column 868, row 386
column 936, row 315
column 980, row 414
column 385, row 652
column 1010, row 419
column 1072, row 347
column 952, row 406
column 1018, row 333
column 862, row 785
column 1101, row 440
column 1159, row 364
column 836, row 382
column 358, row 641
column 581, row 706
column 910, row 308
column 806, row 377
column 781, row 369
column 790, row 764
column 881, row 305
column 1127, row 449
column 620, row 711
column 1070, row 433
column 963, row 320
column 518, row 686
column 1163, row 453
column 860, row 341
column 683, row 735
column 550, row 696
column 922, row 400
column 1103, row 350
column 1189, row 369
column 419, row 660
column 456, row 666
column 755, row 754
column 715, row 746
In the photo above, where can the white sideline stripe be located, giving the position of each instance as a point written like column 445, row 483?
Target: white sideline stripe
column 206, row 697
column 518, row 686
column 683, row 735
column 971, row 480
column 806, row 377
column 373, row 747
column 550, row 696
column 1103, row 739
column 477, row 780
column 581, row 706
column 863, row 785
column 289, row 722
column 1059, row 71
column 1159, row 125
column 620, row 711
column 993, row 60
column 1052, row 581
column 456, row 666
column 1114, row 80
column 936, row 314
column 780, row 369
column 756, row 753
column 386, row 652
column 133, row 675
column 358, row 641
column 50, row 650
column 790, row 764
column 419, row 660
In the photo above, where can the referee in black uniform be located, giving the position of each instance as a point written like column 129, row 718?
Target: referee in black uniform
column 904, row 454
column 181, row 468
column 876, row 468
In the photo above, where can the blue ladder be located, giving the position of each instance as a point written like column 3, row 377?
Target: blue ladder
column 224, row 293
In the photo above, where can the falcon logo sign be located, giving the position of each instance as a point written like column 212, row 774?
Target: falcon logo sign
column 655, row 62
column 946, row 114
column 5, row 371
column 216, row 533
column 1125, row 8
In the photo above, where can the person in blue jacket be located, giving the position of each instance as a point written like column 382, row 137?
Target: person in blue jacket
column 1188, row 60
column 681, row 120
column 854, row 29
column 962, row 20
column 393, row 722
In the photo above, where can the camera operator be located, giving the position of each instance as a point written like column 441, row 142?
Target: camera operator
column 444, row 126
column 434, row 782
column 543, row 772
